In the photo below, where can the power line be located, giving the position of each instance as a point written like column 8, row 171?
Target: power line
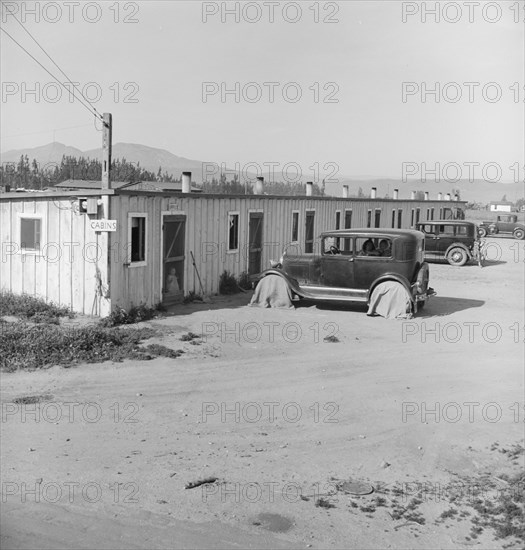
column 53, row 76
column 56, row 65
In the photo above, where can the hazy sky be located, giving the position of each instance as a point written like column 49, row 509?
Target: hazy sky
column 162, row 60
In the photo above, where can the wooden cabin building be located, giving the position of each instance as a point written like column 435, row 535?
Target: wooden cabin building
column 97, row 249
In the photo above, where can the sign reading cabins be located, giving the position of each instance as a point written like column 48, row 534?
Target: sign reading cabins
column 103, row 225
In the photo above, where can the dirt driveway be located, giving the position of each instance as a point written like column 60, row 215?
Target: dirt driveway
column 281, row 407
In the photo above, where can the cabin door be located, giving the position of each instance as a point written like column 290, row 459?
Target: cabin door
column 255, row 240
column 173, row 256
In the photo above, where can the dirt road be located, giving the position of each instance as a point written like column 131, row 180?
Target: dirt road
column 280, row 406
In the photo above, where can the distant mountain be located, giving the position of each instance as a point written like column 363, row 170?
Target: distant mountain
column 151, row 158
column 52, row 152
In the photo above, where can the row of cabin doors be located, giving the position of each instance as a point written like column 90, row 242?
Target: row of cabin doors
column 174, row 254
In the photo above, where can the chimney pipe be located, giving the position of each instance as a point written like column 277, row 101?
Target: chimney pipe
column 373, row 193
column 396, row 194
column 440, row 196
column 447, row 197
column 413, row 195
column 309, row 188
column 456, row 197
column 345, row 191
column 426, row 195
column 186, row 182
column 259, row 186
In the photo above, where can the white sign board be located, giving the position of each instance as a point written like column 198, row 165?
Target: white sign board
column 103, row 225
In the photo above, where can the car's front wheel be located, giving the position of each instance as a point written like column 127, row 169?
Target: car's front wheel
column 482, row 232
column 519, row 234
column 457, row 256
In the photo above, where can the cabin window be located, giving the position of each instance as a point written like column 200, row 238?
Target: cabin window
column 338, row 220
column 233, row 231
column 393, row 219
column 369, row 219
column 399, row 218
column 309, row 234
column 418, row 214
column 30, row 234
column 377, row 220
column 348, row 219
column 431, row 213
column 295, row 227
column 137, row 238
column 412, row 217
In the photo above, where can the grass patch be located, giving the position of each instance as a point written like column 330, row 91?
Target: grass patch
column 30, row 347
column 33, row 309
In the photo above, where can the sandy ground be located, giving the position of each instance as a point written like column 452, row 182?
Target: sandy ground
column 278, row 415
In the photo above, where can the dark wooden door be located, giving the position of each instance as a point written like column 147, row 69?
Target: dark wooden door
column 255, row 241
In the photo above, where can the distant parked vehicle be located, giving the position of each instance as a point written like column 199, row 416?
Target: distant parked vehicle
column 455, row 241
column 505, row 224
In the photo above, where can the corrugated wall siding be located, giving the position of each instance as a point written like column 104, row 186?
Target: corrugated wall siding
column 64, row 270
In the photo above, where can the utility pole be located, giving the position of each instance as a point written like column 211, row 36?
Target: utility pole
column 107, row 131
column 103, row 304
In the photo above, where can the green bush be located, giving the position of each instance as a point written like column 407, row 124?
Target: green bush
column 136, row 314
column 228, row 283
column 24, row 346
column 34, row 309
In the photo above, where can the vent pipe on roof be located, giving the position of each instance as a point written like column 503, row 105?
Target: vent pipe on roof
column 309, row 188
column 413, row 195
column 456, row 197
column 345, row 191
column 396, row 194
column 259, row 186
column 440, row 196
column 186, row 182
column 426, row 195
column 373, row 192
column 447, row 197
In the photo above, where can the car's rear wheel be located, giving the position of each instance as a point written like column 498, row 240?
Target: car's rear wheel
column 519, row 234
column 482, row 232
column 457, row 256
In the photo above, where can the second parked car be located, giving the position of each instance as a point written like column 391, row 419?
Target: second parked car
column 455, row 241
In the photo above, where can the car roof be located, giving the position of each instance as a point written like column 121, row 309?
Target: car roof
column 445, row 222
column 376, row 232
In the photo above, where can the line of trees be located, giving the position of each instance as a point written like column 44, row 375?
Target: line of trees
column 223, row 186
column 32, row 175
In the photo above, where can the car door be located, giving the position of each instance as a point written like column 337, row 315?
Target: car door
column 432, row 239
column 337, row 270
column 445, row 236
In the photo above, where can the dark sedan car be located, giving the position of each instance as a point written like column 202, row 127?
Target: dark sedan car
column 455, row 241
column 350, row 263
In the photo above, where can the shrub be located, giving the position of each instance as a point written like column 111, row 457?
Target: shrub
column 228, row 283
column 24, row 346
column 136, row 314
column 34, row 309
